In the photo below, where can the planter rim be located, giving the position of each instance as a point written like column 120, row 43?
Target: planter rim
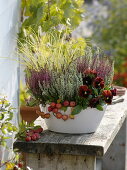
column 40, row 106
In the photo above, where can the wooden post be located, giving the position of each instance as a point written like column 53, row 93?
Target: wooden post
column 60, row 162
column 115, row 157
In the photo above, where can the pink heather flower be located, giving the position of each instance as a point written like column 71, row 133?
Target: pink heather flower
column 36, row 78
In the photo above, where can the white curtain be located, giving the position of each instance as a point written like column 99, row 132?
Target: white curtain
column 9, row 66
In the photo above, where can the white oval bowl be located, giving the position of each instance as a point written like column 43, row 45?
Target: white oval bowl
column 87, row 121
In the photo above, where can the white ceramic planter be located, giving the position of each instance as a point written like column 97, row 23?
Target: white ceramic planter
column 87, row 121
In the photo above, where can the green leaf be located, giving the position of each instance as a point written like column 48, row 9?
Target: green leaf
column 64, row 109
column 3, row 143
column 95, row 91
column 99, row 107
column 84, row 107
column 6, row 137
column 10, row 116
column 90, row 97
column 77, row 109
column 1, row 116
column 36, row 127
column 15, row 129
column 4, row 131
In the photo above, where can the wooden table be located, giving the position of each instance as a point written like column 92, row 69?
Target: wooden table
column 104, row 149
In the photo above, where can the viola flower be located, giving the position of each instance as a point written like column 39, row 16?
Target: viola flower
column 113, row 92
column 107, row 96
column 94, row 102
column 87, row 80
column 91, row 73
column 84, row 91
column 89, row 76
column 98, row 83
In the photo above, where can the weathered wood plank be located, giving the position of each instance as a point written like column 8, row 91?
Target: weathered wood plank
column 115, row 157
column 84, row 144
column 60, row 162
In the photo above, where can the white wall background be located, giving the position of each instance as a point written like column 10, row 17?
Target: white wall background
column 9, row 16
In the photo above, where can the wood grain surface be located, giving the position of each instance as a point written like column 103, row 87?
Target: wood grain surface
column 60, row 162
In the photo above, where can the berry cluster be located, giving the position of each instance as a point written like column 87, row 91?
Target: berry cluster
column 33, row 134
column 18, row 166
column 55, row 109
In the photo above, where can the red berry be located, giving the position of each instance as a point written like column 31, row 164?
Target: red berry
column 15, row 168
column 72, row 104
column 53, row 105
column 33, row 137
column 39, row 130
column 50, row 108
column 66, row 103
column 37, row 135
column 64, row 117
column 20, row 165
column 28, row 138
column 58, row 106
column 47, row 115
column 55, row 110
column 58, row 115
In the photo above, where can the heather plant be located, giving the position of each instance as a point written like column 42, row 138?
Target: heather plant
column 63, row 86
column 96, row 59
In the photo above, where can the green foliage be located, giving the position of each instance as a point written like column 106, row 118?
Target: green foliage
column 6, row 131
column 77, row 109
column 26, row 98
column 50, row 13
column 23, row 128
column 64, row 108
column 52, row 50
column 99, row 107
column 111, row 33
column 6, row 115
